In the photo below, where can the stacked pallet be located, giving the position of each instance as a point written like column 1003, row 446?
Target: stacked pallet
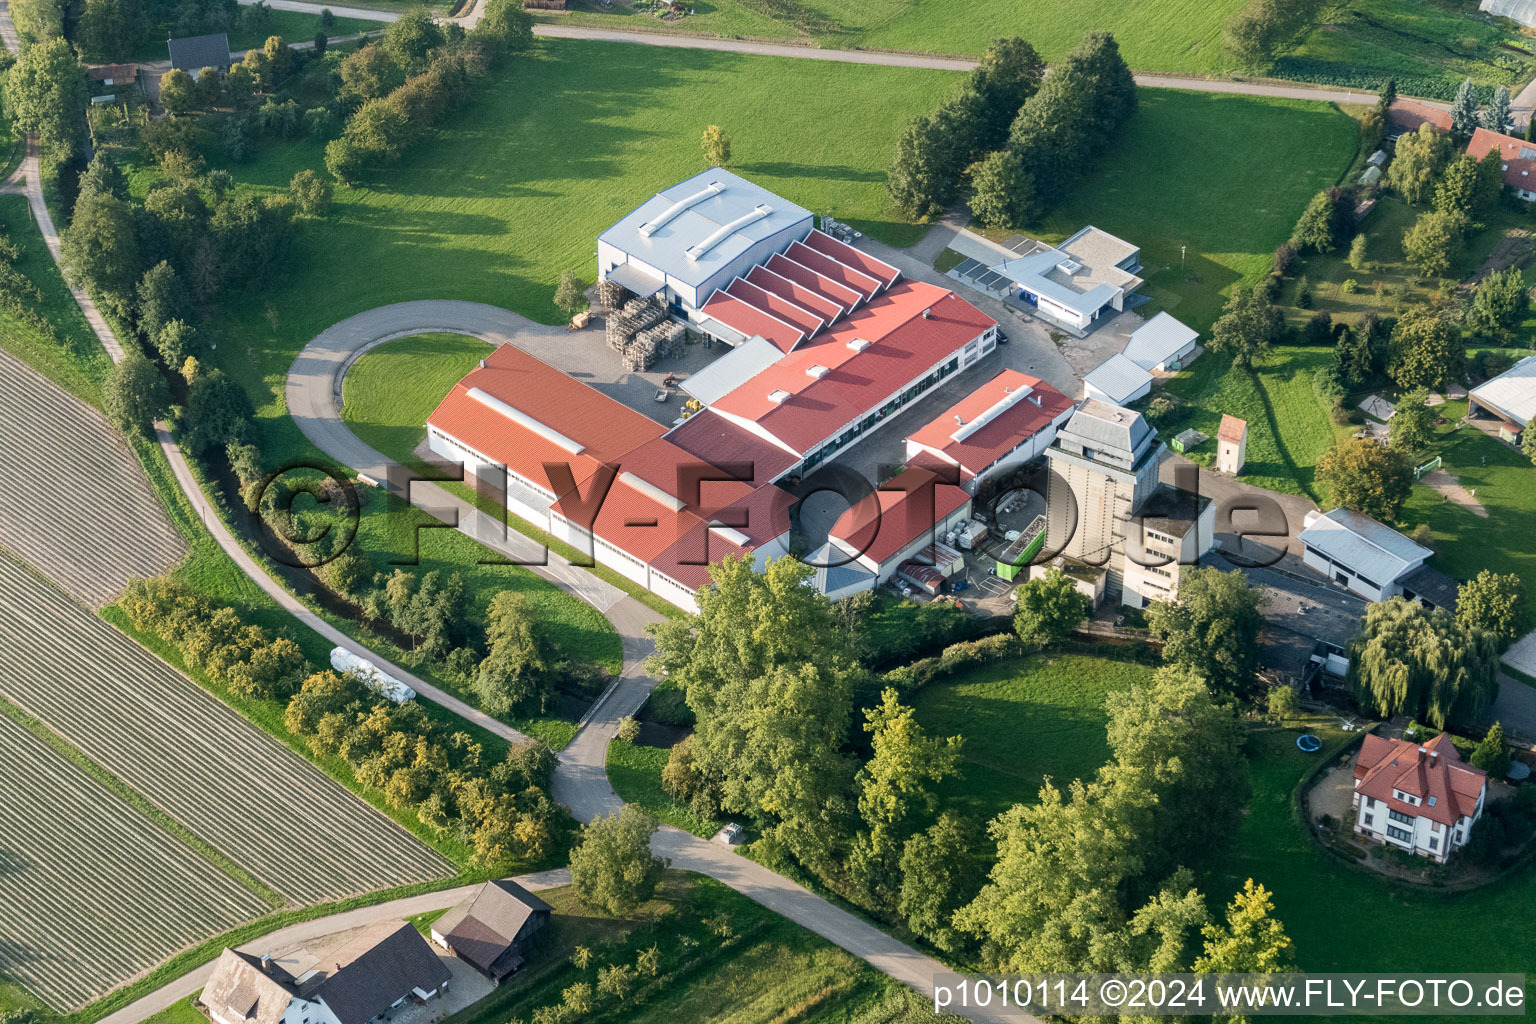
column 653, row 344
column 611, row 294
column 636, row 316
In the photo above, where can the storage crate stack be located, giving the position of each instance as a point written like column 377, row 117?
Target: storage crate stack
column 654, row 344
column 636, row 316
column 611, row 294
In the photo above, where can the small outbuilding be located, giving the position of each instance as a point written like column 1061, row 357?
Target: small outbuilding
column 1231, row 445
column 1162, row 344
column 493, row 929
column 1118, row 380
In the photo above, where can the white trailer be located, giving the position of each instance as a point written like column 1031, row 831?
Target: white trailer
column 343, row 660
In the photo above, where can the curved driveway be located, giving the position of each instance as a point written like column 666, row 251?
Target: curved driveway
column 581, row 781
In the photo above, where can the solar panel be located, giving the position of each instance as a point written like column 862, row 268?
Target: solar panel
column 968, row 267
column 992, row 280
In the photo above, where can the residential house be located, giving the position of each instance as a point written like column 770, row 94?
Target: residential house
column 493, row 928
column 1517, row 156
column 1406, row 115
column 1422, row 799
column 352, row 977
column 193, row 53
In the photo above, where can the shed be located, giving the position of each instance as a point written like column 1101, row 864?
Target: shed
column 1370, row 176
column 925, row 576
column 492, row 928
column 1117, row 380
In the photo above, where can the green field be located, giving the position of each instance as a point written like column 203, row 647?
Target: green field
column 1289, row 426
column 722, row 959
column 183, row 1011
column 1505, row 482
column 1429, row 45
column 1161, row 35
column 1024, row 720
column 1334, row 913
column 1221, row 177
column 392, row 389
column 634, row 771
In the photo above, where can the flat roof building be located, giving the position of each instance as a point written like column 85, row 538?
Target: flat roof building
column 1076, row 282
column 698, row 236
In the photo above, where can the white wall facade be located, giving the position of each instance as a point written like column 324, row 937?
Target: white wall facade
column 1144, row 583
column 1418, row 835
column 691, row 296
column 1371, row 590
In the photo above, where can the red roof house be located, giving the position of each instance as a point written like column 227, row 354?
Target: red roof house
column 1517, row 156
column 1408, row 114
column 1421, row 798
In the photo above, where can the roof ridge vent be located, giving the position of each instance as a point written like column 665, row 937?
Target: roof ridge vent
column 816, row 370
column 859, row 344
column 778, row 396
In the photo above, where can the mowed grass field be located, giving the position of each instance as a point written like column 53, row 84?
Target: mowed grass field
column 1159, row 35
column 1289, row 426
column 392, row 389
column 1024, row 720
column 1207, row 184
column 634, row 770
column 1328, row 907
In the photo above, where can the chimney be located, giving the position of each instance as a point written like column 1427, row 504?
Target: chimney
column 1434, row 757
column 266, row 963
column 1036, row 400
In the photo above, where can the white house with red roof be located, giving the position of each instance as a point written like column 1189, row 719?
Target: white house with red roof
column 1517, row 158
column 1419, row 798
column 1005, row 423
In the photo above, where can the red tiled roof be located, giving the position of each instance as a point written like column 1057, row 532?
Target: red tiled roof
column 1447, row 788
column 815, row 301
column 888, row 520
column 749, row 320
column 762, row 516
column 856, row 258
column 717, row 440
column 842, row 273
column 903, row 347
column 790, row 312
column 1035, row 406
column 843, row 295
column 1517, row 156
column 1232, row 429
column 606, row 428
column 1409, row 114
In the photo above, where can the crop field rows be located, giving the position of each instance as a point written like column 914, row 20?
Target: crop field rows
column 243, row 793
column 92, row 892
column 73, row 500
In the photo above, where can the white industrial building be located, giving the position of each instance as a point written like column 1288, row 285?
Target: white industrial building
column 697, row 237
column 1117, row 380
column 1360, row 554
column 1509, row 397
column 1078, row 282
column 1162, row 344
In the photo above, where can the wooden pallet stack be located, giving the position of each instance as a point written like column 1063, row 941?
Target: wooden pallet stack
column 637, row 315
column 653, row 344
column 612, row 295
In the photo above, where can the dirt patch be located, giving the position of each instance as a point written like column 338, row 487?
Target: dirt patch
column 1449, row 486
column 1513, row 250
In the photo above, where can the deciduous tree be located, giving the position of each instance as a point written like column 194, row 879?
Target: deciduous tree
column 612, row 869
column 1421, row 662
column 1049, row 607
column 940, row 873
column 1249, row 324
column 1493, row 603
column 1434, row 241
column 1416, row 163
column 1500, row 303
column 134, row 394
column 1211, row 627
column 1366, row 477
column 1426, row 350
column 1412, row 426
column 1250, row 941
column 45, row 93
column 716, row 145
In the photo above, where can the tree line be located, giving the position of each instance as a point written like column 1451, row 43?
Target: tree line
column 1094, row 877
column 1022, row 137
column 501, row 809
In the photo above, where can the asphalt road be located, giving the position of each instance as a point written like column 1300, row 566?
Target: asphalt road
column 1299, row 91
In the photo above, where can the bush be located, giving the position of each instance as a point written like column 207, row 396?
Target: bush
column 668, row 706
column 1350, row 286
column 915, row 676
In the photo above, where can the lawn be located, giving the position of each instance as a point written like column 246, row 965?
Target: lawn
column 722, row 959
column 1207, row 185
column 423, row 922
column 392, row 389
column 1024, row 720
column 634, row 770
column 1289, row 426
column 1160, row 35
column 183, row 1011
column 1505, row 482
column 1329, row 908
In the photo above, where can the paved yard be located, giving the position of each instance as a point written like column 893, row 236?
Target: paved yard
column 468, row 987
